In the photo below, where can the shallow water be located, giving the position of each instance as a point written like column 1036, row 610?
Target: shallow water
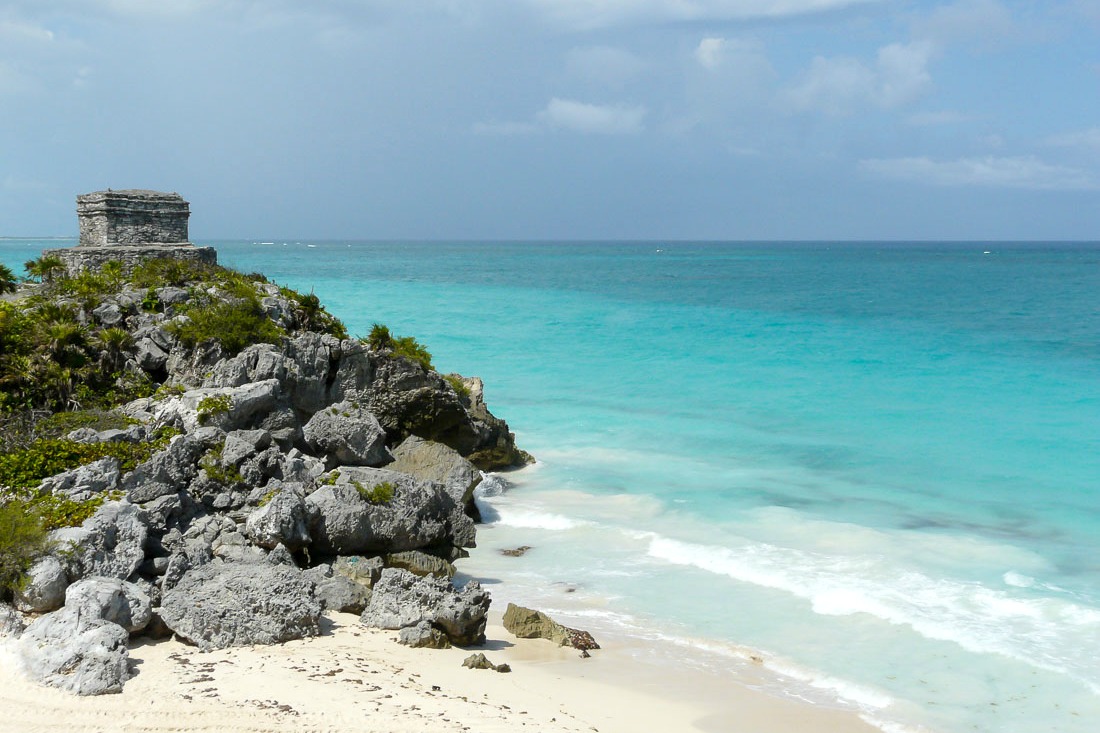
column 879, row 465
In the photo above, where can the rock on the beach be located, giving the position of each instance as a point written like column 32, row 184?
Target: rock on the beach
column 420, row 563
column 43, row 587
column 112, row 600
column 83, row 655
column 336, row 591
column 480, row 661
column 110, row 543
column 216, row 606
column 347, row 434
column 527, row 623
column 401, row 599
column 423, row 636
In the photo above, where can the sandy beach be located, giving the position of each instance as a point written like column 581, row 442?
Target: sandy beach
column 356, row 679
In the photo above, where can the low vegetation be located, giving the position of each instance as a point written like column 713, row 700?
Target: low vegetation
column 378, row 494
column 380, row 339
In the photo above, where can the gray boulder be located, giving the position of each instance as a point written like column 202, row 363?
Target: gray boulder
column 216, row 606
column 167, row 472
column 336, row 591
column 432, row 461
column 43, row 588
column 83, row 655
column 282, row 520
column 110, row 543
column 480, row 661
column 110, row 599
column 423, row 636
column 401, row 599
column 345, row 521
column 242, row 444
column 347, row 434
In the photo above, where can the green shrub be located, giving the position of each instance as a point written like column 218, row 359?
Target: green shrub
column 23, row 539
column 378, row 494
column 63, row 423
column 234, row 324
column 24, row 469
column 330, row 478
column 7, row 280
column 457, row 385
column 215, row 471
column 379, row 338
column 214, row 405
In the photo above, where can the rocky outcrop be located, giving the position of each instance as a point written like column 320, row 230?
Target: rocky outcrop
column 11, row 623
column 277, row 468
column 221, row 605
column 401, row 599
column 423, row 636
column 530, row 624
column 404, row 514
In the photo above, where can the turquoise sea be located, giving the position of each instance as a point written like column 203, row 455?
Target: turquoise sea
column 875, row 464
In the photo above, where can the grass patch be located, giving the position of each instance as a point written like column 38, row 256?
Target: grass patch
column 378, row 494
column 213, row 406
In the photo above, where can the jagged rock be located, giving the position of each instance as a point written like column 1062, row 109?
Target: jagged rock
column 281, row 556
column 108, row 314
column 132, row 434
column 420, row 563
column 363, row 570
column 431, row 461
column 401, row 599
column 246, row 404
column 149, row 355
column 282, row 520
column 11, row 623
column 112, row 600
column 516, row 551
column 43, row 588
column 346, row 434
column 242, row 444
column 84, row 482
column 336, row 591
column 423, row 636
column 480, row 661
column 420, row 514
column 86, row 656
column 218, row 606
column 530, row 624
column 110, row 543
column 167, row 472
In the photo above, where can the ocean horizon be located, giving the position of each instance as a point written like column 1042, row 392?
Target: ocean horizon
column 872, row 466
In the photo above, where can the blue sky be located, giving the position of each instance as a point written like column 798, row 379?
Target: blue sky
column 559, row 119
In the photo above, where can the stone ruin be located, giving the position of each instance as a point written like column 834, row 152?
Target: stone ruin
column 131, row 226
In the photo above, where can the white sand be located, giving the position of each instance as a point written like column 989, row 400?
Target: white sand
column 353, row 679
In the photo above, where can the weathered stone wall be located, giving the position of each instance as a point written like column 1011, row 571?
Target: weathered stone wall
column 78, row 259
column 132, row 217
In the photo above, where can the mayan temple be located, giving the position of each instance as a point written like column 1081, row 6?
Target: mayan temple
column 130, row 226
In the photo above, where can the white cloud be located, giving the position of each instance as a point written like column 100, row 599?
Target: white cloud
column 839, row 86
column 709, row 52
column 1008, row 172
column 590, row 14
column 1086, row 140
column 603, row 65
column 600, row 119
column 15, row 31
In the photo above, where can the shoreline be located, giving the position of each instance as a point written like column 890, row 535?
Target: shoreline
column 355, row 676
